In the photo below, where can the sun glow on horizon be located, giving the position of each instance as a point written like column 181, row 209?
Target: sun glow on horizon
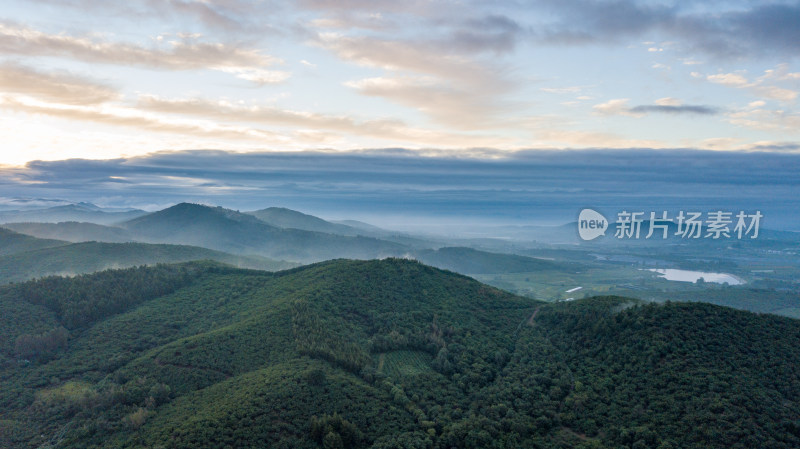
column 101, row 80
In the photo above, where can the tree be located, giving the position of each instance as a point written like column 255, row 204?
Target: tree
column 332, row 440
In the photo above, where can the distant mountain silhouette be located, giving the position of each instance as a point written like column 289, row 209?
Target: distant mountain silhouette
column 288, row 218
column 73, row 231
column 240, row 233
column 80, row 212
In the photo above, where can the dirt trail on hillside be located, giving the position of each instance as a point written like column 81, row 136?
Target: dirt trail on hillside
column 533, row 316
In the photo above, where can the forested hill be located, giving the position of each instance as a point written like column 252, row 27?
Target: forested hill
column 13, row 242
column 380, row 354
column 73, row 231
column 473, row 261
column 83, row 212
column 33, row 258
column 234, row 232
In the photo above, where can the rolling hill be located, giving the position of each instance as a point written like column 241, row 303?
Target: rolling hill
column 380, row 354
column 290, row 219
column 73, row 231
column 80, row 212
column 281, row 217
column 360, row 225
column 13, row 242
column 473, row 261
column 23, row 257
column 235, row 232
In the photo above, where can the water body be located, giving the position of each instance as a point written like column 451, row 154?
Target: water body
column 672, row 274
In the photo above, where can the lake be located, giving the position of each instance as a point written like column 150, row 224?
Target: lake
column 672, row 274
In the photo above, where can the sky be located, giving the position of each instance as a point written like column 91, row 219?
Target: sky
column 414, row 110
column 96, row 79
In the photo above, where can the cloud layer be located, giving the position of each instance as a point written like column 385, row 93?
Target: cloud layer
column 394, row 185
column 56, row 87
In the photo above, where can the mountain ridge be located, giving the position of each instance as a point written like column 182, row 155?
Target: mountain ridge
column 287, row 218
column 81, row 212
column 232, row 231
column 23, row 257
column 72, row 231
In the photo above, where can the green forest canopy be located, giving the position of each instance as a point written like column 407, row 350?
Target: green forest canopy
column 380, row 354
